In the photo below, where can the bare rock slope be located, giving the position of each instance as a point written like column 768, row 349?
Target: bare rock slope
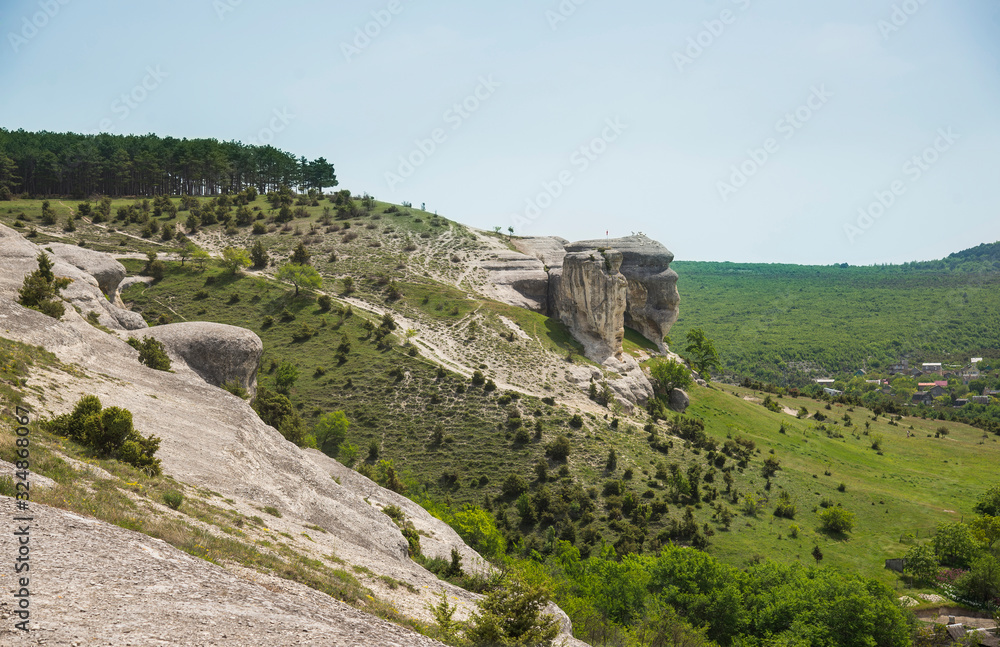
column 213, row 440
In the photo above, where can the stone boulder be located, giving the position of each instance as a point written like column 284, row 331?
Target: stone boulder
column 679, row 400
column 106, row 270
column 590, row 299
column 216, row 352
column 652, row 304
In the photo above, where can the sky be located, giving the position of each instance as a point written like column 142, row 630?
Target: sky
column 827, row 131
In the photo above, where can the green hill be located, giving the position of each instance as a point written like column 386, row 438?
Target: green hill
column 788, row 324
column 534, row 451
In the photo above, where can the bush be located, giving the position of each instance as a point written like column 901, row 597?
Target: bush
column 511, row 614
column 234, row 387
column 478, row 378
column 836, row 519
column 173, row 499
column 576, row 421
column 558, row 449
column 152, row 353
column 514, row 486
column 982, row 583
column 785, row 507
column 109, row 432
column 669, row 375
column 40, row 290
column 325, row 302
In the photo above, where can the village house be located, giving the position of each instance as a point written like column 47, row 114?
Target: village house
column 922, row 397
column 931, row 367
column 980, row 399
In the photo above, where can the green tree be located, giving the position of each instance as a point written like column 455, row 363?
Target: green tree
column 511, row 615
column 921, row 564
column 235, row 259
column 285, row 376
column 982, row 583
column 259, row 255
column 272, row 407
column 904, row 386
column 200, row 258
column 954, row 544
column 986, row 529
column 40, row 290
column 669, row 375
column 301, row 255
column 701, row 353
column 331, row 431
column 303, row 276
column 989, row 502
column 558, row 450
column 152, row 353
column 836, row 519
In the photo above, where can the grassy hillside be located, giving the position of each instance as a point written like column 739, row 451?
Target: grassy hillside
column 397, row 398
column 776, row 322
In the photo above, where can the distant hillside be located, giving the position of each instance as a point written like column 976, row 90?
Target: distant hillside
column 786, row 323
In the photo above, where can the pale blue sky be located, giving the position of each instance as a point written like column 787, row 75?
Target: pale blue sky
column 286, row 73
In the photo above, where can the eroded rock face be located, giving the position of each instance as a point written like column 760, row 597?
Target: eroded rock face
column 106, row 270
column 590, row 299
column 216, row 352
column 85, row 293
column 518, row 280
column 652, row 286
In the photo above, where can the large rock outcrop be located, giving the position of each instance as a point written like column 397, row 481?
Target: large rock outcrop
column 212, row 443
column 652, row 286
column 517, row 279
column 106, row 270
column 590, row 299
column 217, row 352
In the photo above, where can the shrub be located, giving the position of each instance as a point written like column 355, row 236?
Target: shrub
column 152, row 353
column 40, row 290
column 669, row 375
column 836, row 519
column 514, row 486
column 558, row 449
column 478, row 378
column 325, row 302
column 173, row 498
column 236, row 388
column 511, row 614
column 576, row 421
column 109, row 432
column 785, row 507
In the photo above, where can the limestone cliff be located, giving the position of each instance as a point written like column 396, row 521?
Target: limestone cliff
column 652, row 306
column 590, row 299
